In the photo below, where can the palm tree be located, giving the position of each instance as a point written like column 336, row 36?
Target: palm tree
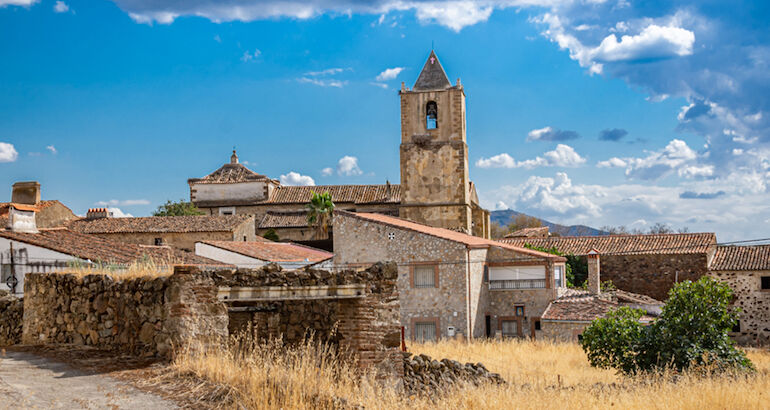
column 320, row 211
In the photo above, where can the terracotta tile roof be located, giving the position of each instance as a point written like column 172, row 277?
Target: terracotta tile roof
column 96, row 249
column 676, row 243
column 460, row 237
column 539, row 232
column 581, row 306
column 272, row 219
column 358, row 194
column 160, row 224
column 40, row 206
column 274, row 251
column 755, row 257
column 229, row 174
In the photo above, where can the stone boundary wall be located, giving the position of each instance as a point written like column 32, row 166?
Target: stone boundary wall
column 367, row 327
column 143, row 316
column 652, row 275
column 11, row 312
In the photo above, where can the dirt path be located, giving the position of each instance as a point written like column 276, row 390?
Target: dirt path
column 28, row 381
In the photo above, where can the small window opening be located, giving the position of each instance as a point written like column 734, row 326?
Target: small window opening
column 486, row 273
column 425, row 276
column 580, row 337
column 158, row 241
column 737, row 327
column 765, row 282
column 431, row 115
column 537, row 325
column 244, row 238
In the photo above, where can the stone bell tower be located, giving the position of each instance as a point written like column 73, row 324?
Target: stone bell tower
column 435, row 188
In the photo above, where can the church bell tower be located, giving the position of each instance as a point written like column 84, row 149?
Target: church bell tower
column 435, row 188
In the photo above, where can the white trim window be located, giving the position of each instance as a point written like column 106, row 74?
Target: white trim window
column 558, row 275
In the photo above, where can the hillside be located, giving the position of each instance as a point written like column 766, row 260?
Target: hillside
column 504, row 217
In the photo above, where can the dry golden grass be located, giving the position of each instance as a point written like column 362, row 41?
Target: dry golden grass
column 540, row 375
column 141, row 268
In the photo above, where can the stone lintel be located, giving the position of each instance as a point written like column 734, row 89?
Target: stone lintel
column 277, row 293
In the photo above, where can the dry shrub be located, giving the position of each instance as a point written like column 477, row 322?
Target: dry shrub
column 145, row 267
column 540, row 375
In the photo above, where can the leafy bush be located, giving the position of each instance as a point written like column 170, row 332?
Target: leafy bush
column 180, row 208
column 690, row 332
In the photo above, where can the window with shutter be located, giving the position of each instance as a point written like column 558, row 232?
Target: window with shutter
column 425, row 331
column 424, row 276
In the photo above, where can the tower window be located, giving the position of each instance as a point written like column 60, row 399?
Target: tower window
column 431, row 115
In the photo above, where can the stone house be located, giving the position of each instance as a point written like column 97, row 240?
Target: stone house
column 180, row 232
column 566, row 317
column 746, row 269
column 648, row 264
column 48, row 213
column 261, row 252
column 452, row 284
column 26, row 249
column 435, row 188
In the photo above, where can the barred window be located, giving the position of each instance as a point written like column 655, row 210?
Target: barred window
column 425, row 276
column 425, row 331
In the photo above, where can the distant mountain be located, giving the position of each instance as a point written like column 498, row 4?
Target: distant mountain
column 504, row 218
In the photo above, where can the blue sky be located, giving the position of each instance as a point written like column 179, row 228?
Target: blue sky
column 595, row 112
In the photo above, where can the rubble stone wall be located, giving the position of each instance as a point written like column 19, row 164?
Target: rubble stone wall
column 754, row 305
column 562, row 331
column 11, row 312
column 652, row 275
column 146, row 316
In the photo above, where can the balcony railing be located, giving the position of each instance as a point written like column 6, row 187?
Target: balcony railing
column 517, row 284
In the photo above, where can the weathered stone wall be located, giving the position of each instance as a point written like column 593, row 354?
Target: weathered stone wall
column 183, row 240
column 11, row 319
column 652, row 275
column 360, row 242
column 562, row 331
column 367, row 327
column 423, row 375
column 147, row 316
column 753, row 302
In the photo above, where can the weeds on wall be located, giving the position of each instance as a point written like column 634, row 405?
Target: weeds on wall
column 143, row 267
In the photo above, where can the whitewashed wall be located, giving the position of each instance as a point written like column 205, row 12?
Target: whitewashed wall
column 251, row 191
column 30, row 258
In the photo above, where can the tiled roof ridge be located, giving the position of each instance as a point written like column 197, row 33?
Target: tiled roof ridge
column 741, row 258
column 482, row 241
column 629, row 235
column 134, row 224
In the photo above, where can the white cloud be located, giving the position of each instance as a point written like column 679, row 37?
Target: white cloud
column 321, row 82
column 61, row 7
column 676, row 156
column 125, row 202
column 562, row 156
column 551, row 134
column 23, row 3
column 117, row 213
column 501, row 206
column 249, row 55
column 348, row 166
column 381, row 85
column 327, row 172
column 326, row 72
column 294, row 178
column 52, row 149
column 653, row 42
column 8, row 152
column 389, row 74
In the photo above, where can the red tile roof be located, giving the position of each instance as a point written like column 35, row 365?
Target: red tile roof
column 676, row 243
column 358, row 194
column 161, row 224
column 739, row 258
column 274, row 251
column 539, row 232
column 581, row 306
column 229, row 174
column 96, row 249
column 468, row 240
column 272, row 219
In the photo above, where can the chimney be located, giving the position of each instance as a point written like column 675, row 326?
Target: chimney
column 27, row 193
column 594, row 276
column 98, row 213
column 21, row 218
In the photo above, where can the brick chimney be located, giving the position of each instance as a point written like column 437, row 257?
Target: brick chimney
column 98, row 213
column 21, row 218
column 594, row 276
column 27, row 193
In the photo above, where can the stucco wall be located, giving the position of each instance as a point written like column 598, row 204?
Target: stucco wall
column 753, row 302
column 244, row 191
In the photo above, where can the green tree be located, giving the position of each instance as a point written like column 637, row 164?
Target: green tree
column 692, row 331
column 271, row 235
column 320, row 210
column 180, row 208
